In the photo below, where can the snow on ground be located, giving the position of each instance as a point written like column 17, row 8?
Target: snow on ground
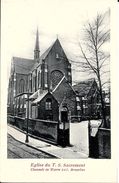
column 79, row 136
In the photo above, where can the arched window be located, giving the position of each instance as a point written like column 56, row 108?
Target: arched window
column 30, row 82
column 39, row 79
column 21, row 86
column 56, row 77
column 34, row 80
column 48, row 104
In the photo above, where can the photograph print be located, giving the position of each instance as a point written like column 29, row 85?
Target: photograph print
column 58, row 73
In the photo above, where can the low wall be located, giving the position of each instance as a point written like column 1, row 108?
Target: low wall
column 42, row 128
column 104, row 143
column 100, row 145
column 46, row 129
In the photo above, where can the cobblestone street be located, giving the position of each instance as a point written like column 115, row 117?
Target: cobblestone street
column 19, row 150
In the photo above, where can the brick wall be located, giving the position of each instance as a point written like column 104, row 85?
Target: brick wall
column 104, row 143
column 43, row 113
column 65, row 92
column 42, row 128
column 60, row 63
column 46, row 129
column 100, row 145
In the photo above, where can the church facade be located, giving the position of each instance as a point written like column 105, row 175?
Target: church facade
column 46, row 81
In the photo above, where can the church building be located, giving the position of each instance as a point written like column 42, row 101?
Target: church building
column 46, row 81
column 44, row 76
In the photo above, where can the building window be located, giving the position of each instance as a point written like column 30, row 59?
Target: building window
column 21, row 86
column 56, row 77
column 24, row 105
column 39, row 79
column 57, row 56
column 48, row 104
column 46, row 85
column 77, row 99
column 25, row 96
column 30, row 82
column 78, row 107
column 34, row 82
column 46, row 70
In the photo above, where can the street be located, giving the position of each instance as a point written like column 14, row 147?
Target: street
column 17, row 149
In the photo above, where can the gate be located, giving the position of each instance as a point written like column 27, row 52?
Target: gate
column 63, row 130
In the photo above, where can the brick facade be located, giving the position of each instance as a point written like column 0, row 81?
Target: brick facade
column 48, row 112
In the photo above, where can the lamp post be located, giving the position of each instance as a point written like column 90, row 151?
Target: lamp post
column 27, row 118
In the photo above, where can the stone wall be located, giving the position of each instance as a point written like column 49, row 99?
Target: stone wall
column 41, row 128
column 104, row 143
column 46, row 129
column 100, row 144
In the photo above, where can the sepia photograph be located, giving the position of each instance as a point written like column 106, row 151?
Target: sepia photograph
column 58, row 80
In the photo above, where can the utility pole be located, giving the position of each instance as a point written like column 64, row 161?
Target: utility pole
column 27, row 118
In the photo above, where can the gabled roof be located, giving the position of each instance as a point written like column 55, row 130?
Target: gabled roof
column 45, row 54
column 40, row 97
column 42, row 57
column 22, row 65
column 83, row 87
column 69, row 91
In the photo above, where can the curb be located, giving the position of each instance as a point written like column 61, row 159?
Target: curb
column 38, row 149
column 33, row 136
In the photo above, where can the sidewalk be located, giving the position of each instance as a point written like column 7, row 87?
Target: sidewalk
column 59, row 152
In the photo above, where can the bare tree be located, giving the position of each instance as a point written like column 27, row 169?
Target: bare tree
column 94, row 55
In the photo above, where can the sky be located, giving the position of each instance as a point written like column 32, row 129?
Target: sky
column 54, row 18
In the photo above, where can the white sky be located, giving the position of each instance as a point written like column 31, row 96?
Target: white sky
column 66, row 18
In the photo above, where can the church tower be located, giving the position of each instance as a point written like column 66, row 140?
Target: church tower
column 37, row 49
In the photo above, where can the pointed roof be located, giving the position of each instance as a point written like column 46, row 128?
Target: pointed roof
column 83, row 87
column 69, row 91
column 22, row 65
column 37, row 41
column 45, row 54
column 40, row 97
column 25, row 66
